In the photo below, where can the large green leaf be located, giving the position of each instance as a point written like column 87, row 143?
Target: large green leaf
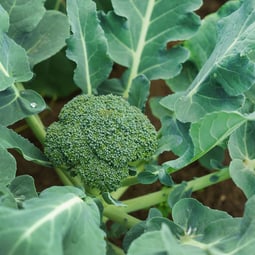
column 47, row 38
column 206, row 231
column 205, row 134
column 16, row 105
column 42, row 33
column 87, row 46
column 14, row 65
column 4, row 20
column 138, row 32
column 9, row 139
column 230, row 69
column 242, row 152
column 53, row 77
column 59, row 222
column 187, row 220
column 24, row 14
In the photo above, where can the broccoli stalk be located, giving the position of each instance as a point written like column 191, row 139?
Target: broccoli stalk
column 97, row 138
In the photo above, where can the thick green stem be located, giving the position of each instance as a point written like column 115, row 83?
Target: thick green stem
column 36, row 125
column 117, row 250
column 158, row 197
column 118, row 215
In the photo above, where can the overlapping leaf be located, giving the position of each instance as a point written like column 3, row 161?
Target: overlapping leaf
column 205, row 134
column 242, row 152
column 230, row 69
column 14, row 65
column 16, row 105
column 139, row 34
column 47, row 38
column 42, row 33
column 7, row 166
column 24, row 15
column 202, row 234
column 73, row 225
column 87, row 46
column 9, row 139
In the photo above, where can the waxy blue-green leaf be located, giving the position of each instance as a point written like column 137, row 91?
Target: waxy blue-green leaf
column 58, row 222
column 24, row 14
column 138, row 36
column 16, row 105
column 54, row 77
column 194, row 217
column 205, row 134
column 10, row 139
column 230, row 68
column 42, row 33
column 7, row 166
column 87, row 46
column 4, row 20
column 47, row 38
column 161, row 242
column 14, row 65
column 213, row 129
column 23, row 188
column 242, row 152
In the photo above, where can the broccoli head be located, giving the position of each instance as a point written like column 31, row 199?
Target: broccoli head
column 98, row 137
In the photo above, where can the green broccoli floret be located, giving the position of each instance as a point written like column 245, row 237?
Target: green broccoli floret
column 98, row 137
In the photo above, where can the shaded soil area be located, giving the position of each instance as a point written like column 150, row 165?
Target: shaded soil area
column 224, row 196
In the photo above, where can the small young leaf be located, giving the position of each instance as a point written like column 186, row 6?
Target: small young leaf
column 179, row 192
column 165, row 178
column 110, row 200
column 87, row 47
column 23, row 188
column 139, row 92
column 147, row 177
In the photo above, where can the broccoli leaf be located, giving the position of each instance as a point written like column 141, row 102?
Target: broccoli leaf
column 201, row 235
column 14, row 65
column 87, row 46
column 230, row 69
column 7, row 166
column 138, row 33
column 242, row 152
column 42, row 33
column 16, row 105
column 9, row 139
column 208, row 132
column 4, row 20
column 73, row 225
column 24, row 15
column 47, row 38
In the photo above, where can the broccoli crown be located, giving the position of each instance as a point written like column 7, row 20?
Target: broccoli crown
column 97, row 137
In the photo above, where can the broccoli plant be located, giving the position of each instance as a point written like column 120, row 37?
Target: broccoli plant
column 98, row 61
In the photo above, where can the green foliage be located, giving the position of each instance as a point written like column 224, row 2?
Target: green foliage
column 66, row 212
column 97, row 137
column 103, row 140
